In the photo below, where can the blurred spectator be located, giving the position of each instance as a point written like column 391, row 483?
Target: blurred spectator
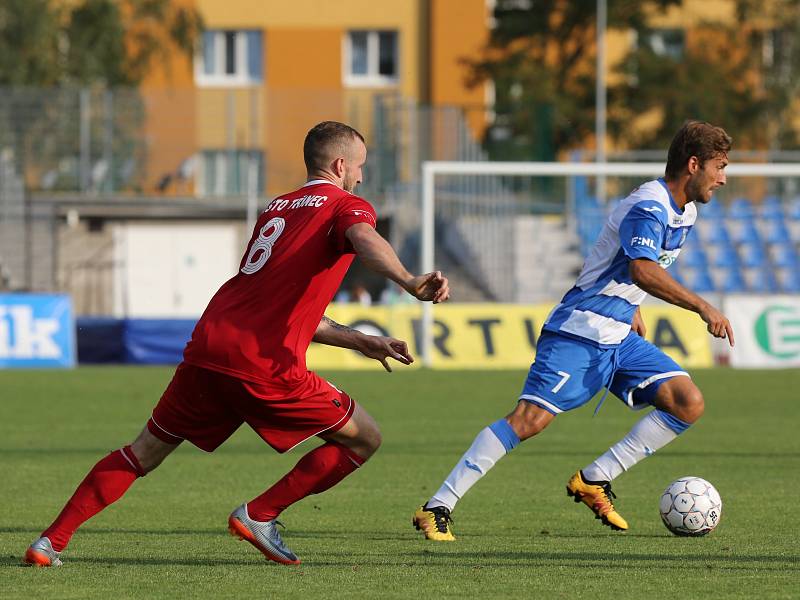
column 357, row 294
column 393, row 294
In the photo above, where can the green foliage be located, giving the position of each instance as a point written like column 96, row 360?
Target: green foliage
column 542, row 60
column 519, row 536
column 29, row 35
column 108, row 42
column 702, row 84
column 94, row 52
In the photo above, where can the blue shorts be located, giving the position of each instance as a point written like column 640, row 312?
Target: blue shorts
column 568, row 372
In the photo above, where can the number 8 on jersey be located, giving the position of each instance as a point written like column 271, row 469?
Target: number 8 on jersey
column 263, row 242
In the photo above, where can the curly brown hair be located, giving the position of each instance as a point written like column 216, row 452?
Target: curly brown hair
column 696, row 138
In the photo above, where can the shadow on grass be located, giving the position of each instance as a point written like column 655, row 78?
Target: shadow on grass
column 590, row 560
column 13, row 562
column 219, row 531
column 406, row 450
column 473, row 560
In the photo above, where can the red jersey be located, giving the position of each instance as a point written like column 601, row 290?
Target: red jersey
column 260, row 323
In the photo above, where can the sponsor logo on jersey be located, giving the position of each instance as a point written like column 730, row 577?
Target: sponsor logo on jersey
column 307, row 200
column 666, row 260
column 651, row 209
column 363, row 213
column 638, row 240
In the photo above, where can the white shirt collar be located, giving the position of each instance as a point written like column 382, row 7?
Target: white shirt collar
column 317, row 182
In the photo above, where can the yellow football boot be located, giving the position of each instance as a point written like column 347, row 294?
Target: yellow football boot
column 434, row 523
column 597, row 496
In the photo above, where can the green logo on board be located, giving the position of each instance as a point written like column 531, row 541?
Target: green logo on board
column 777, row 331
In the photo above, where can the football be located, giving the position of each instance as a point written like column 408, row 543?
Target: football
column 690, row 506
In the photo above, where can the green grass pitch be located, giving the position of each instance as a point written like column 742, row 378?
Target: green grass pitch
column 518, row 533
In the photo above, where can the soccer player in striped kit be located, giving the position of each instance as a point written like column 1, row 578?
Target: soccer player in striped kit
column 594, row 337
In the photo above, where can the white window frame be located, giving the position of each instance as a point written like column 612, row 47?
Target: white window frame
column 221, row 169
column 241, row 78
column 372, row 78
column 657, row 39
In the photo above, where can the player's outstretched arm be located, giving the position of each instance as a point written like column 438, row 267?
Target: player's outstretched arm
column 378, row 255
column 650, row 277
column 379, row 347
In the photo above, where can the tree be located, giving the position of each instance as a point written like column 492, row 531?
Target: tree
column 741, row 74
column 56, row 56
column 541, row 58
column 109, row 42
column 774, row 50
column 29, row 32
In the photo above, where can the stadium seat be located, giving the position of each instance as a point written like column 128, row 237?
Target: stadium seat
column 777, row 233
column 693, row 256
column 712, row 210
column 733, row 282
column 771, row 208
column 702, row 281
column 725, row 256
column 717, row 233
column 794, row 209
column 740, row 208
column 784, row 255
column 746, row 233
column 789, row 280
column 794, row 228
column 752, row 255
column 763, row 282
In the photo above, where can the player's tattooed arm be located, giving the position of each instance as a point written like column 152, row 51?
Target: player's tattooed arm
column 331, row 323
column 379, row 347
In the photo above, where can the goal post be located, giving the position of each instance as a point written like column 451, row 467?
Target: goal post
column 432, row 169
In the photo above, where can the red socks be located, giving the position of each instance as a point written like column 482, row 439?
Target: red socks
column 108, row 480
column 317, row 471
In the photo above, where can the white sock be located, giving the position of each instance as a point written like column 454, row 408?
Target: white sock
column 653, row 431
column 490, row 445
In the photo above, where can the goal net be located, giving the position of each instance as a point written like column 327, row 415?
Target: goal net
column 518, row 232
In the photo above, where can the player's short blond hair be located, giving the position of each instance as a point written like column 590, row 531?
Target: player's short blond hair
column 696, row 138
column 325, row 142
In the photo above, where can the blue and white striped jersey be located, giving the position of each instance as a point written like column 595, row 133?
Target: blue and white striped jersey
column 601, row 305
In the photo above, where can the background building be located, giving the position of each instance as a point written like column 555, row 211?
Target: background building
column 265, row 72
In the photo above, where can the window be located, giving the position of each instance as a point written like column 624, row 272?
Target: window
column 667, row 42
column 230, row 58
column 228, row 172
column 371, row 58
column 777, row 53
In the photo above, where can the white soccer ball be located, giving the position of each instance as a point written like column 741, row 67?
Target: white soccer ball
column 690, row 506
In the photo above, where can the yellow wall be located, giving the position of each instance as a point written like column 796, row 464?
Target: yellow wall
column 694, row 13
column 303, row 91
column 340, row 15
column 303, row 83
column 458, row 32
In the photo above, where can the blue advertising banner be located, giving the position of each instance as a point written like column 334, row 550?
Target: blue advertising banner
column 36, row 330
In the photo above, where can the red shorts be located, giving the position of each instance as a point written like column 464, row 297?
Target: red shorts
column 206, row 407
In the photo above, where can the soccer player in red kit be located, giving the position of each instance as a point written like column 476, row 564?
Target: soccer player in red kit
column 246, row 360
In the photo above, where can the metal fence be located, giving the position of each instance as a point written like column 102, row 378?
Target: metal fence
column 221, row 145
